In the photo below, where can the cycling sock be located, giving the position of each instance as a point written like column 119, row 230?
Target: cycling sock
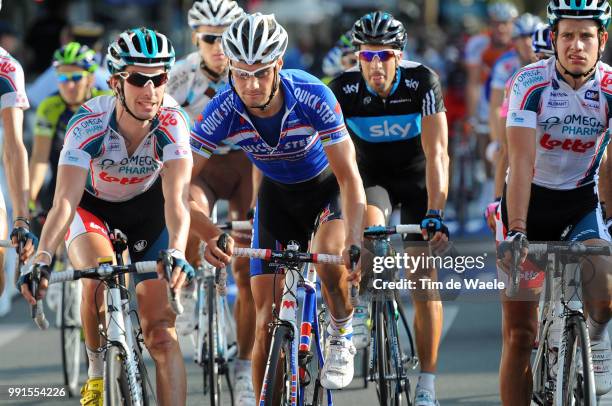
column 243, row 368
column 341, row 327
column 426, row 381
column 596, row 329
column 96, row 363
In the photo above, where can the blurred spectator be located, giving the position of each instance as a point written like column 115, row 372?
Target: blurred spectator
column 8, row 37
column 43, row 36
column 87, row 33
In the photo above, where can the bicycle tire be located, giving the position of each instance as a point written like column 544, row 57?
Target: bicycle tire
column 71, row 337
column 577, row 389
column 313, row 390
column 142, row 369
column 382, row 359
column 116, row 385
column 400, row 386
column 278, row 368
column 214, row 380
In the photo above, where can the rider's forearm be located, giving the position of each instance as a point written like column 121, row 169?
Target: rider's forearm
column 353, row 209
column 501, row 164
column 435, row 147
column 56, row 225
column 436, row 172
column 518, row 193
column 201, row 225
column 38, row 171
column 605, row 182
column 176, row 210
column 15, row 158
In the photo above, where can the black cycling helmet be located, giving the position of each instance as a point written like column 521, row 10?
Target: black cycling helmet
column 379, row 28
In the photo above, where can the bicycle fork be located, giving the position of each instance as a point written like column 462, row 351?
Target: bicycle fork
column 119, row 332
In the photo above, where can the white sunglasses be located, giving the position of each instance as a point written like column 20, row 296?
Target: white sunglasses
column 258, row 73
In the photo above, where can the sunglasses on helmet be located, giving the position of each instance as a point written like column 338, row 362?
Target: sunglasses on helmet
column 383, row 55
column 208, row 37
column 139, row 79
column 66, row 77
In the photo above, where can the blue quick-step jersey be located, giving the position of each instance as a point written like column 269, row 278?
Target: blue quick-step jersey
column 312, row 121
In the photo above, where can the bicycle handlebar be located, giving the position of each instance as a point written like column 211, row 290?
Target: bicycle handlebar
column 288, row 256
column 243, row 225
column 374, row 231
column 6, row 244
column 574, row 248
column 103, row 271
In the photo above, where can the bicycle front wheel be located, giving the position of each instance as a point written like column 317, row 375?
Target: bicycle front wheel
column 578, row 386
column 116, row 383
column 277, row 380
column 71, row 337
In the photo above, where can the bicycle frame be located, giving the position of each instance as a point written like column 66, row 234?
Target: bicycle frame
column 119, row 331
column 288, row 316
column 556, row 305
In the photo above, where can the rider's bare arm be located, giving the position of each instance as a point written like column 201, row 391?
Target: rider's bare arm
column 435, row 146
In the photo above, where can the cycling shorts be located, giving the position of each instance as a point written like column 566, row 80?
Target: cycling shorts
column 292, row 212
column 141, row 219
column 555, row 215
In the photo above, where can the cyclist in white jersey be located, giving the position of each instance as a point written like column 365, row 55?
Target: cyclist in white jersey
column 129, row 153
column 194, row 81
column 13, row 101
column 558, row 130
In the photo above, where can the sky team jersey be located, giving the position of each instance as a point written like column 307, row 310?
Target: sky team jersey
column 504, row 68
column 92, row 142
column 387, row 133
column 571, row 125
column 312, row 120
column 12, row 83
column 190, row 87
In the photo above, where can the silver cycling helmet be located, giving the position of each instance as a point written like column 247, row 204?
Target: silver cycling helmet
column 213, row 12
column 255, row 38
column 502, row 11
column 525, row 25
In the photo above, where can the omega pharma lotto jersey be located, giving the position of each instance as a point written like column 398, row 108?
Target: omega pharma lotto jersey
column 312, row 121
column 92, row 142
column 571, row 125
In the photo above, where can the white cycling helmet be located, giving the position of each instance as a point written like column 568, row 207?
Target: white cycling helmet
column 255, row 38
column 502, row 11
column 140, row 47
column 525, row 25
column 213, row 12
column 598, row 10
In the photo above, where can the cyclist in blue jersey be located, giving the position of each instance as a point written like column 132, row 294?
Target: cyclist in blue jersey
column 558, row 124
column 396, row 117
column 292, row 129
column 126, row 164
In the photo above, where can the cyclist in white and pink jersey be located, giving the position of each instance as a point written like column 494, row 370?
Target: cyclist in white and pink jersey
column 558, row 131
column 13, row 101
column 126, row 164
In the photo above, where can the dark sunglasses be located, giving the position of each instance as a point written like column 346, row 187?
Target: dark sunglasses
column 383, row 55
column 208, row 37
column 71, row 77
column 141, row 80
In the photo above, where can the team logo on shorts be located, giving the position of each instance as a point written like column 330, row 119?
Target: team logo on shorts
column 139, row 246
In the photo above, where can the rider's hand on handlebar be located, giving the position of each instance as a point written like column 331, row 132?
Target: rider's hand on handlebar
column 182, row 271
column 21, row 233
column 354, row 273
column 25, row 281
column 215, row 256
column 515, row 240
